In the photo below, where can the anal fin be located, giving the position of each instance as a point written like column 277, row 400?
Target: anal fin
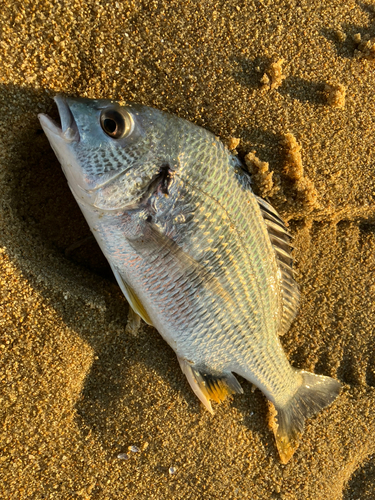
column 208, row 384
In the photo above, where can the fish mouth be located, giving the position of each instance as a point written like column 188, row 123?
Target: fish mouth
column 68, row 131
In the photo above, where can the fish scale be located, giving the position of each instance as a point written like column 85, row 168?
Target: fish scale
column 195, row 252
column 240, row 275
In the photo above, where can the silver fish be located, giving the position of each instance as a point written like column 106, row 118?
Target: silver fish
column 195, row 252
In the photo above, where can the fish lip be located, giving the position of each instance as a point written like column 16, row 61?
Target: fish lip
column 69, row 129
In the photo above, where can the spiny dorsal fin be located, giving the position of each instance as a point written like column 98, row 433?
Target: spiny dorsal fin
column 280, row 239
column 208, row 384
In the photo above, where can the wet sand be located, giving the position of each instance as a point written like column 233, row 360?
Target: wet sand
column 77, row 390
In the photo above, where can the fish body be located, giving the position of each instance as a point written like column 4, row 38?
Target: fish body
column 195, row 252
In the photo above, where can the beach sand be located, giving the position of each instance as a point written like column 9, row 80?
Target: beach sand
column 295, row 83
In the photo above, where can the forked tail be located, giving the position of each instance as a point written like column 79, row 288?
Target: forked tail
column 316, row 392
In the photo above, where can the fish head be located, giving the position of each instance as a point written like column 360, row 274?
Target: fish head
column 109, row 152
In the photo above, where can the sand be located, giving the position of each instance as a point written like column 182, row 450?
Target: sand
column 77, row 389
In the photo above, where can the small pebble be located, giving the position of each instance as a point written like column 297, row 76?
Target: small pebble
column 172, row 470
column 123, row 456
column 133, row 448
column 233, row 142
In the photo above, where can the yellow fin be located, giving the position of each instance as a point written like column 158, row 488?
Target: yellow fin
column 218, row 390
column 132, row 297
column 209, row 384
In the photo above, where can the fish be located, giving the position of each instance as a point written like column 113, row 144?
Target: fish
column 195, row 252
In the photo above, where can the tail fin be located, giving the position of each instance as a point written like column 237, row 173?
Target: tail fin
column 315, row 393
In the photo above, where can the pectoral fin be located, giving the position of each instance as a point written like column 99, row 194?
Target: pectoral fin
column 208, row 384
column 132, row 297
column 133, row 322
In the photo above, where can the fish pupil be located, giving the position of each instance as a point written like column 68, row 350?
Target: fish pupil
column 110, row 126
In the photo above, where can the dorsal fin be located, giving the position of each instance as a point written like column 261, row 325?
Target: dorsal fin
column 280, row 239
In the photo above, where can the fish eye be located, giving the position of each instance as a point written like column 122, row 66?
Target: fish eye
column 115, row 124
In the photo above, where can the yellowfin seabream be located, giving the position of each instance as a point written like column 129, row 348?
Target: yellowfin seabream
column 195, row 252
